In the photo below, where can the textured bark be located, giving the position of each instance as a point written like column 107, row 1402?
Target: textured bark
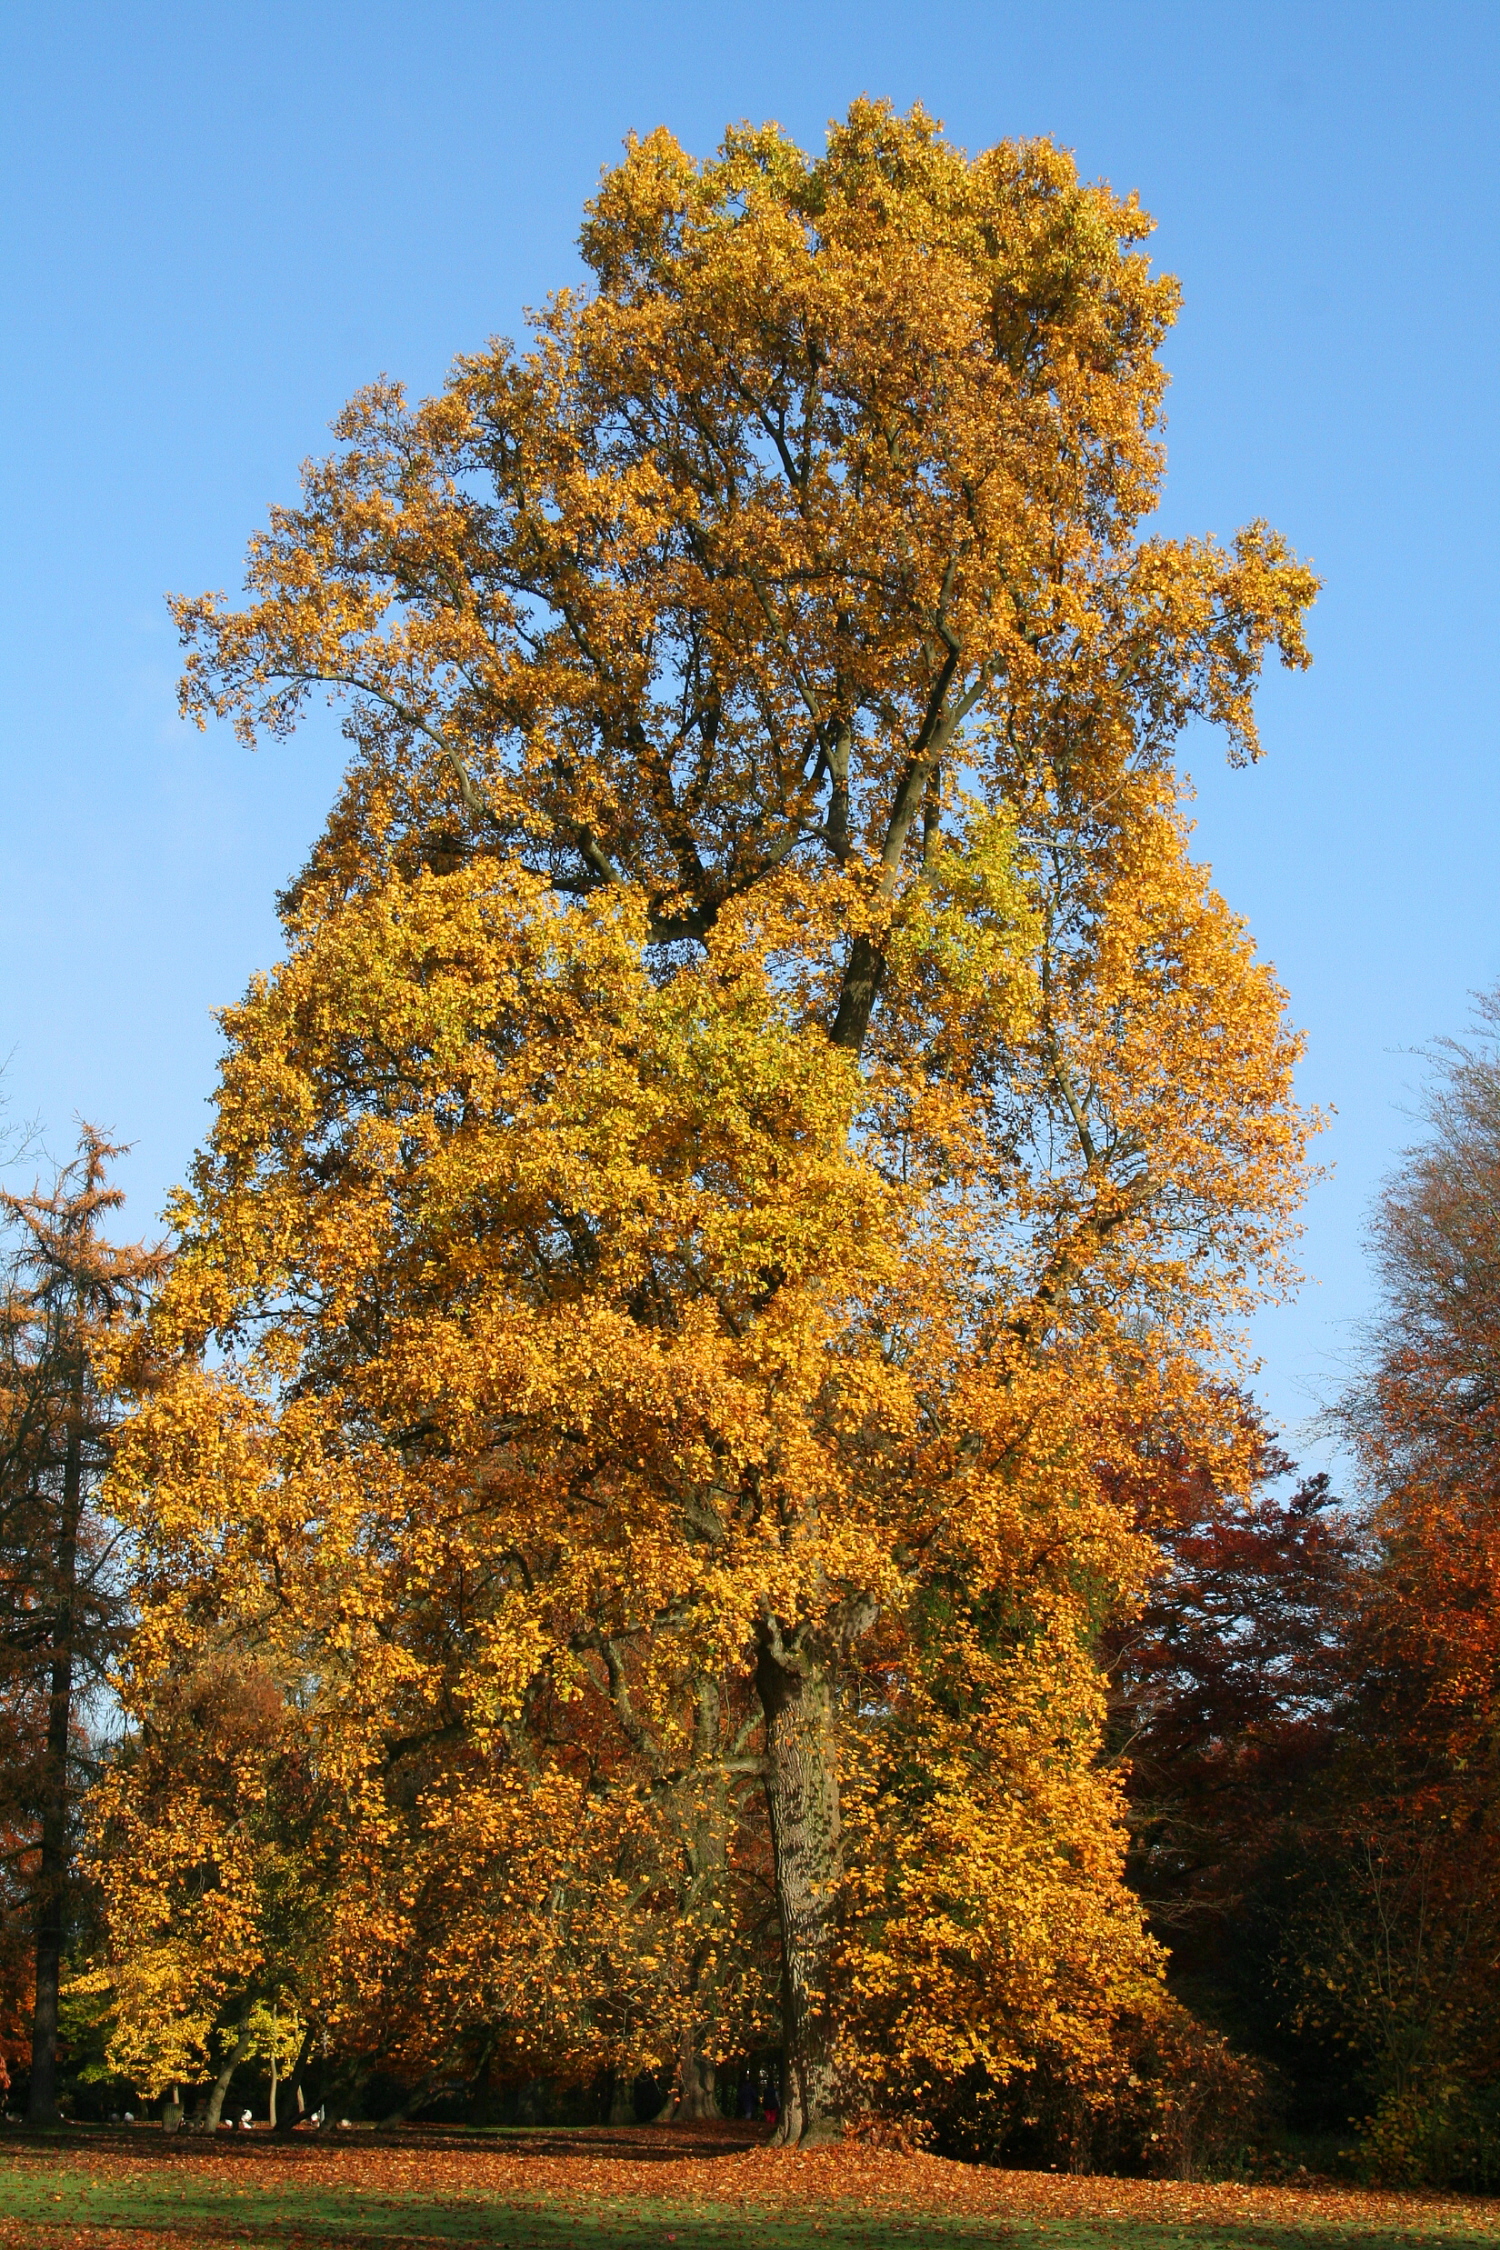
column 802, row 1792
column 789, row 2125
column 696, row 2080
column 704, row 1828
column 52, row 1883
column 857, row 995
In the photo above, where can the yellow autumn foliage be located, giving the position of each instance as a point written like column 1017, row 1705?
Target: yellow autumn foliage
column 761, row 1139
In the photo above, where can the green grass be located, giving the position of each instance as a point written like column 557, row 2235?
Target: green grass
column 292, row 2214
column 213, row 2202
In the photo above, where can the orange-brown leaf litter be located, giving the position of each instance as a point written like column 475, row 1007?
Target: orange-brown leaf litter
column 311, row 2192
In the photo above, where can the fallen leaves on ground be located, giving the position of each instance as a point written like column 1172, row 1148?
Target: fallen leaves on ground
column 708, row 2175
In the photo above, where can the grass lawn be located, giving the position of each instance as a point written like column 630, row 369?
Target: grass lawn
column 699, row 2190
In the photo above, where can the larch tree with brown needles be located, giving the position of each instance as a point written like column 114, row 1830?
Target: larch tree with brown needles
column 65, row 1294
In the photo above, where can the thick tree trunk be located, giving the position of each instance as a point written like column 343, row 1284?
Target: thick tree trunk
column 706, row 1853
column 802, row 1792
column 858, row 994
column 52, row 1875
column 668, row 2110
column 232, row 2061
column 443, row 2082
column 696, row 2079
column 621, row 2099
column 287, row 2123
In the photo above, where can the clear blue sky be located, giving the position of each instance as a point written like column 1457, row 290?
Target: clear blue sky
column 221, row 218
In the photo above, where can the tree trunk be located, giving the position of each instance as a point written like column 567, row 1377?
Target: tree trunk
column 704, row 1824
column 789, row 2125
column 288, row 2123
column 696, row 2078
column 436, row 2082
column 52, row 1879
column 857, row 996
column 621, row 2099
column 802, row 1793
column 236, row 2056
column 273, row 2090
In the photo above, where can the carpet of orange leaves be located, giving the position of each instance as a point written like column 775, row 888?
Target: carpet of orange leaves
column 706, row 2172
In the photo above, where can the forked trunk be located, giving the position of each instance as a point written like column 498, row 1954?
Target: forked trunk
column 802, row 1792
column 286, row 2124
column 232, row 2061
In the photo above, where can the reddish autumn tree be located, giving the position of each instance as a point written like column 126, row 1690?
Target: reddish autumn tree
column 1228, row 1684
column 1404, row 1939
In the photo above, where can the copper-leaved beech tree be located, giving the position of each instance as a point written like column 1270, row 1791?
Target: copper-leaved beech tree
column 1398, row 1952
column 759, row 1118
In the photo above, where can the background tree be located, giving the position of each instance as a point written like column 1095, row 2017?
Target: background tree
column 1307, row 1703
column 1229, row 1693
column 214, row 1842
column 1409, row 1924
column 66, row 1293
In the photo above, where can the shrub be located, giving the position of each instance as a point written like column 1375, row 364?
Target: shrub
column 1174, row 2101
